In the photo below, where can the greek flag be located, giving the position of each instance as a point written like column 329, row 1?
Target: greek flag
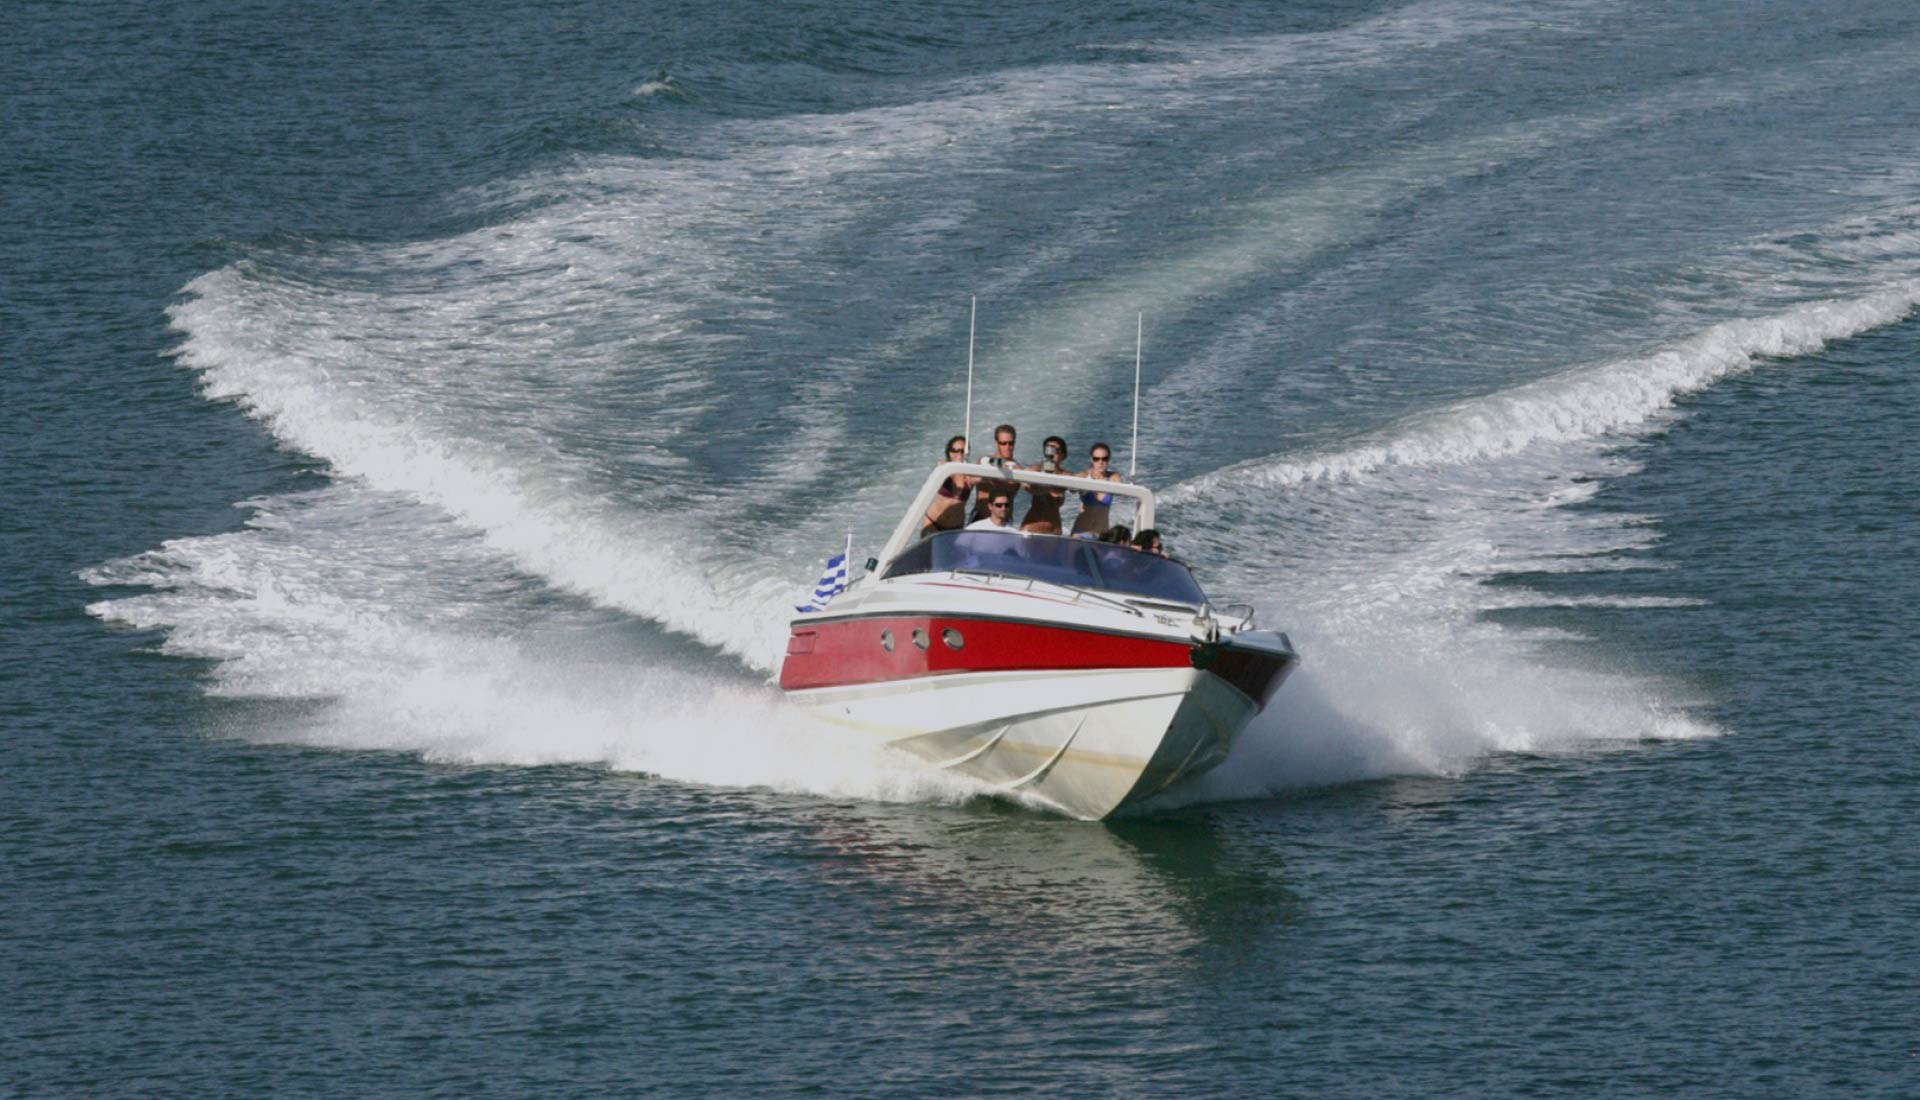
column 832, row 582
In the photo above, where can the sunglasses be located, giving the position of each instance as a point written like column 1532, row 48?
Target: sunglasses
column 1004, row 442
column 999, row 504
column 956, row 450
column 1099, row 458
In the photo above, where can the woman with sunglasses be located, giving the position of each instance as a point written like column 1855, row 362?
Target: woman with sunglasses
column 949, row 510
column 1092, row 520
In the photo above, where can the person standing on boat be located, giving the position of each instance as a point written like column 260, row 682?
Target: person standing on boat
column 1002, row 456
column 1043, row 508
column 948, row 512
column 999, row 497
column 1094, row 507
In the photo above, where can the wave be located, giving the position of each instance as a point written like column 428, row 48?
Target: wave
column 350, row 619
column 1375, row 558
column 1354, row 714
column 1579, row 405
column 648, row 565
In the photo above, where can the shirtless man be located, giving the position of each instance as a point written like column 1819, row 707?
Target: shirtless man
column 948, row 512
column 1092, row 520
column 1043, row 509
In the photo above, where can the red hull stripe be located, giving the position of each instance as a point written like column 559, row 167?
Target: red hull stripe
column 854, row 651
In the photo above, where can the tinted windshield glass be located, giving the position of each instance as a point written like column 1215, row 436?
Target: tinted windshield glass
column 1078, row 562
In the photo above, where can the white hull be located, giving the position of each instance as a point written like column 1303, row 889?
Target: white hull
column 1083, row 743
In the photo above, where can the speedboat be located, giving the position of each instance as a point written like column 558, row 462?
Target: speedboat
column 1080, row 675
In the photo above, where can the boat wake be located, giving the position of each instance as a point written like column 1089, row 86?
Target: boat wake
column 356, row 619
column 1377, row 558
column 457, row 606
column 443, row 631
column 1580, row 405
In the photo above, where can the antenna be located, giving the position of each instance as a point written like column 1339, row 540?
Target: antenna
column 1133, row 452
column 966, row 428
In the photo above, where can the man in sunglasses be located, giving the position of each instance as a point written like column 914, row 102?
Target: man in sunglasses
column 999, row 515
column 1002, row 456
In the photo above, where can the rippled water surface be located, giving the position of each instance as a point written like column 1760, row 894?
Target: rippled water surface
column 420, row 420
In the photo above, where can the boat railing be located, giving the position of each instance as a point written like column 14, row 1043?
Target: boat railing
column 1242, row 612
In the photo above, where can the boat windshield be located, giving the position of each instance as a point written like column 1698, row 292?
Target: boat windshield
column 1081, row 563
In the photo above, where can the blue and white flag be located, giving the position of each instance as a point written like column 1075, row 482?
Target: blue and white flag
column 832, row 582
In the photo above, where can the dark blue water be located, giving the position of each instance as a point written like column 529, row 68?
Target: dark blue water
column 420, row 417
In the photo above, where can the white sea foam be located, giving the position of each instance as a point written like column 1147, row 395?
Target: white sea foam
column 1403, row 672
column 1358, row 713
column 1520, row 598
column 1579, row 405
column 659, row 85
column 644, row 564
column 1375, row 558
column 403, row 633
column 490, row 707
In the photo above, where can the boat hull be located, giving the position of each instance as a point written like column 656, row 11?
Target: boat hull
column 1083, row 742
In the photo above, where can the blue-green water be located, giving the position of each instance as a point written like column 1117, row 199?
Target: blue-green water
column 419, row 418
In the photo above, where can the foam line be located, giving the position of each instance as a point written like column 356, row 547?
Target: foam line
column 395, row 630
column 1350, row 716
column 1579, row 405
column 639, row 564
column 385, row 684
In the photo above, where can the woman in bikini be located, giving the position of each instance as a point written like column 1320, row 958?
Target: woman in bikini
column 948, row 512
column 1092, row 520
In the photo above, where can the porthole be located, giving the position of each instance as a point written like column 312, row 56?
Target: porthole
column 952, row 638
column 919, row 638
column 886, row 640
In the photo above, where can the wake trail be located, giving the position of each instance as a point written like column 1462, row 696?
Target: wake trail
column 1578, row 405
column 1374, row 558
column 646, row 565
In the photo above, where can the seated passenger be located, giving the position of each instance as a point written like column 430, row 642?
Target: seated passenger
column 1119, row 534
column 1043, row 511
column 1002, row 456
column 1129, row 569
column 999, row 510
column 1092, row 520
column 1149, row 542
column 948, row 512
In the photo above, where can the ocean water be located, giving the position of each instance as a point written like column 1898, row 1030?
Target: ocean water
column 419, row 419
